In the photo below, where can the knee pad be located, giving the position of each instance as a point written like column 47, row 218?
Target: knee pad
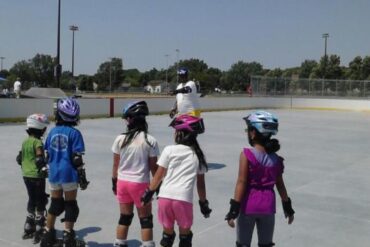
column 56, row 206
column 266, row 245
column 72, row 211
column 146, row 222
column 125, row 219
column 167, row 240
column 185, row 240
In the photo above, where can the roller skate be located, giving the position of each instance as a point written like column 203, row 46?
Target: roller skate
column 29, row 227
column 49, row 238
column 40, row 224
column 70, row 240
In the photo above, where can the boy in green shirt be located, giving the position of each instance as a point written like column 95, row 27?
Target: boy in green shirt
column 34, row 171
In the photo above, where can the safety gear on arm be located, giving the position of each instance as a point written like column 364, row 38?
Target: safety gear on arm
column 287, row 207
column 82, row 180
column 114, row 185
column 204, row 208
column 183, row 90
column 234, row 210
column 147, row 196
column 19, row 158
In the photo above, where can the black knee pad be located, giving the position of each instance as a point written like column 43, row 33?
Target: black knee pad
column 125, row 219
column 146, row 222
column 266, row 245
column 186, row 240
column 56, row 206
column 167, row 240
column 72, row 211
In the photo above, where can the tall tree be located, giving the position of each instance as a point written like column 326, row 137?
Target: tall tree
column 354, row 71
column 238, row 77
column 306, row 68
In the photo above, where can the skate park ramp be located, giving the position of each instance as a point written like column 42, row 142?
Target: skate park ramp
column 45, row 93
column 327, row 171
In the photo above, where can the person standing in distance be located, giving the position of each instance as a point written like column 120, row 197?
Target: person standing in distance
column 186, row 96
column 17, row 88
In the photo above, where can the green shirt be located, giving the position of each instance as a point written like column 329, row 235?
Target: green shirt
column 29, row 146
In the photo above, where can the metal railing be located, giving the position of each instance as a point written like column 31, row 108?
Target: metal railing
column 270, row 86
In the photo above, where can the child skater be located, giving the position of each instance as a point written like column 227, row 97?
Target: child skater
column 33, row 163
column 134, row 157
column 180, row 166
column 65, row 147
column 260, row 168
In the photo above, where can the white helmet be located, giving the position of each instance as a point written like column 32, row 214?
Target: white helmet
column 37, row 121
column 264, row 122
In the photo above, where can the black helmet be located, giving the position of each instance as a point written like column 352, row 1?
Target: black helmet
column 135, row 109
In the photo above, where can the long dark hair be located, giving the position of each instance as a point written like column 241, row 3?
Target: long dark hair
column 270, row 145
column 190, row 139
column 134, row 127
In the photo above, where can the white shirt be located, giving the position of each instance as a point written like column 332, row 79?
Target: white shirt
column 189, row 102
column 17, row 86
column 134, row 158
column 182, row 167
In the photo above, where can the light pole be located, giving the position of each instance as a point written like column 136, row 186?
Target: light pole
column 58, row 67
column 110, row 75
column 73, row 29
column 166, row 72
column 325, row 36
column 2, row 58
column 177, row 65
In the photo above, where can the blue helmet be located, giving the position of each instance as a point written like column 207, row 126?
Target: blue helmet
column 264, row 122
column 68, row 109
column 182, row 71
column 135, row 109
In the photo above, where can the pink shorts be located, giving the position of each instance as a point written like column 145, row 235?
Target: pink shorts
column 130, row 192
column 170, row 210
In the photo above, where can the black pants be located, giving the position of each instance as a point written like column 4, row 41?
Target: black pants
column 37, row 198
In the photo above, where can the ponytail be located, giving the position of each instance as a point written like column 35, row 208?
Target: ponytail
column 135, row 126
column 270, row 145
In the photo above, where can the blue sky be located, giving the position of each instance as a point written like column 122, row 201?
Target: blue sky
column 220, row 32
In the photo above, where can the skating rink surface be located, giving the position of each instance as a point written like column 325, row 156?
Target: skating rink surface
column 327, row 174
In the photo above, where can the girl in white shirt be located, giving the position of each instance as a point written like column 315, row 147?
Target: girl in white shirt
column 180, row 166
column 134, row 157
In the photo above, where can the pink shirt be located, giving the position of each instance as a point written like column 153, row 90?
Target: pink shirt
column 263, row 170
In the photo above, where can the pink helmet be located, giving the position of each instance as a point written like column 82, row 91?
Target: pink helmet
column 188, row 123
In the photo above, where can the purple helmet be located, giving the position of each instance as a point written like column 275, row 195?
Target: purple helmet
column 188, row 123
column 68, row 110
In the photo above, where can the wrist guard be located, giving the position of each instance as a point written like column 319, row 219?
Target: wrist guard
column 204, row 208
column 19, row 158
column 114, row 185
column 287, row 207
column 147, row 196
column 234, row 210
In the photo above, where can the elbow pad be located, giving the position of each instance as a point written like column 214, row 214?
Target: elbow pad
column 184, row 90
column 40, row 162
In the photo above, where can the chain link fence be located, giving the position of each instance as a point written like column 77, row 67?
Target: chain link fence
column 270, row 86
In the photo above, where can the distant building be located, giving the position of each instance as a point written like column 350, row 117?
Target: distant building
column 157, row 86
